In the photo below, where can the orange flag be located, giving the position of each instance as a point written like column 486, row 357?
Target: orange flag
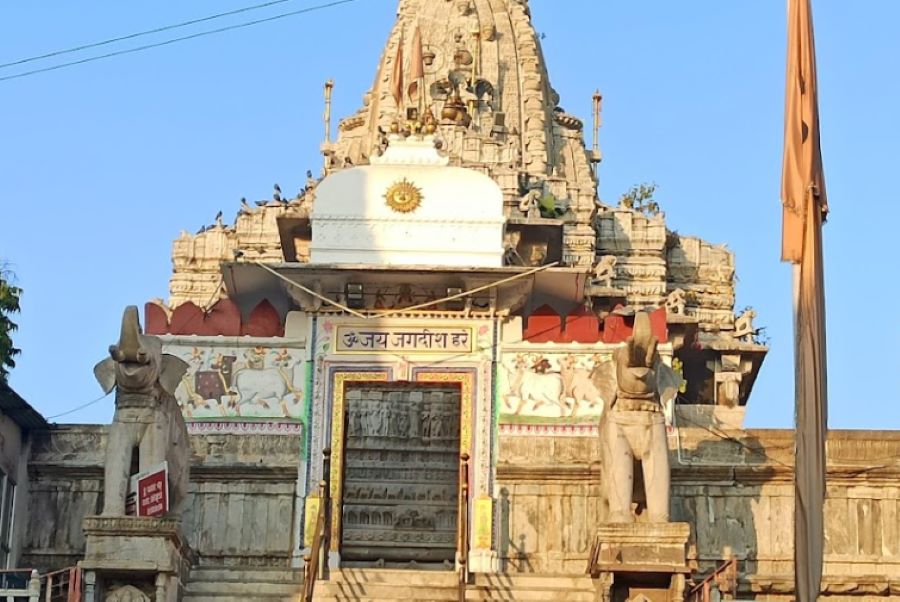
column 804, row 210
column 397, row 75
column 802, row 178
column 416, row 66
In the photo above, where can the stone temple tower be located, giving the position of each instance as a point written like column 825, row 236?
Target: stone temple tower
column 511, row 127
column 482, row 79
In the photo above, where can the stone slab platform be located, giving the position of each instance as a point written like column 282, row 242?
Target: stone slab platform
column 129, row 543
column 640, row 547
column 137, row 557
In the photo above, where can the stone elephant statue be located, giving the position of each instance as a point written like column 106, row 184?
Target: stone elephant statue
column 147, row 416
column 640, row 392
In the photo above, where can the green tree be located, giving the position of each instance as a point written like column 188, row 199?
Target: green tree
column 641, row 198
column 9, row 305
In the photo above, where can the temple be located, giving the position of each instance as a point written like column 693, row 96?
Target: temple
column 425, row 364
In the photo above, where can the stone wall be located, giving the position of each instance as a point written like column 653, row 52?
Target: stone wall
column 736, row 491
column 241, row 509
column 14, row 449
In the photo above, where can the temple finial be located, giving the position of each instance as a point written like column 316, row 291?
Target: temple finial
column 596, row 155
column 329, row 86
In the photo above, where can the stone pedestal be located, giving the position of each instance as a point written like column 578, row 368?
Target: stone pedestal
column 640, row 559
column 144, row 558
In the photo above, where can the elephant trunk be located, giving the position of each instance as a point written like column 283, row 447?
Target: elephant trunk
column 643, row 342
column 129, row 348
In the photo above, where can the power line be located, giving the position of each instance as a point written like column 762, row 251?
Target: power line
column 81, row 407
column 175, row 40
column 139, row 34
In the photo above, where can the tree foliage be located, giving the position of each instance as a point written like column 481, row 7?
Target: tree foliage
column 9, row 305
column 640, row 198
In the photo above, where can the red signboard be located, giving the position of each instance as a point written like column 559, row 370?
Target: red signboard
column 153, row 493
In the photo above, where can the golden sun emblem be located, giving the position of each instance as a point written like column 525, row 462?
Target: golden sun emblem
column 403, row 196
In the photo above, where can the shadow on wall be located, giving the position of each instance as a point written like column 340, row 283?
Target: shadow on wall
column 717, row 487
column 512, row 554
column 724, row 488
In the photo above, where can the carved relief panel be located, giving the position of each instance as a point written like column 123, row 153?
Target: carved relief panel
column 400, row 472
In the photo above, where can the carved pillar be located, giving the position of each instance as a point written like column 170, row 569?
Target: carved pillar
column 34, row 587
column 161, row 579
column 729, row 370
column 603, row 584
column 90, row 583
column 676, row 589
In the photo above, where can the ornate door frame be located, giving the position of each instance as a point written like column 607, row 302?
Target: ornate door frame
column 466, row 376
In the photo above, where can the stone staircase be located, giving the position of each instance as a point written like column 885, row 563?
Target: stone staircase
column 528, row 586
column 243, row 584
column 384, row 585
column 392, row 585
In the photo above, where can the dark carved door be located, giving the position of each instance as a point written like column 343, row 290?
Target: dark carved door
column 401, row 473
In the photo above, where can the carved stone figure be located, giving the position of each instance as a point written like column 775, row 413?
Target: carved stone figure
column 743, row 326
column 530, row 202
column 127, row 593
column 605, row 270
column 635, row 426
column 675, row 302
column 147, row 416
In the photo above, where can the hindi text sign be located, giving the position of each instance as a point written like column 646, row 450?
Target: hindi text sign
column 373, row 339
column 153, row 493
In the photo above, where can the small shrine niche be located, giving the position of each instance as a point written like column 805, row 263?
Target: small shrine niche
column 533, row 243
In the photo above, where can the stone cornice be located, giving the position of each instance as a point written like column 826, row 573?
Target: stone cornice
column 549, row 472
column 222, row 472
column 706, row 475
column 873, row 585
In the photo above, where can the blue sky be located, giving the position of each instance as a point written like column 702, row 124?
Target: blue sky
column 103, row 164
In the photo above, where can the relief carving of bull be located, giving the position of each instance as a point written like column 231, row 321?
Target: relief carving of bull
column 147, row 416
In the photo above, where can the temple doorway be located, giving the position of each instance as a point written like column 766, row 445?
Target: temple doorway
column 401, row 473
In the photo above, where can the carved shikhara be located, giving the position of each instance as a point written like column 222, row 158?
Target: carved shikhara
column 520, row 138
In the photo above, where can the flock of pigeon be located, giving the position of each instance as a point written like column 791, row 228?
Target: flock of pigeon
column 276, row 200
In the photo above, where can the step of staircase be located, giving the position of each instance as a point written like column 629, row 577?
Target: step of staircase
column 524, row 586
column 390, row 585
column 234, row 584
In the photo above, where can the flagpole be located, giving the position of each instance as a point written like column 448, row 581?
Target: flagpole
column 416, row 74
column 421, row 85
column 805, row 205
column 400, row 67
column 397, row 87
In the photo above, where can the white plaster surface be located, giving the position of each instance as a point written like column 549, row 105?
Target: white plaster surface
column 458, row 223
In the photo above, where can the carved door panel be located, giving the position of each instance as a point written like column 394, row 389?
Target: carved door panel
column 401, row 473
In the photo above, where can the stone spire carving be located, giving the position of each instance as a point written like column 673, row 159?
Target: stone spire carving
column 486, row 55
column 488, row 101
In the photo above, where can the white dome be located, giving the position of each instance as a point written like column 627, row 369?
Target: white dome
column 436, row 215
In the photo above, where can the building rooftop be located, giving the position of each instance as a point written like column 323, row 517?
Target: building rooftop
column 19, row 410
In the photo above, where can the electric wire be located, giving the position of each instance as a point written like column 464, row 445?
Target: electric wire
column 176, row 40
column 139, row 34
column 79, row 408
